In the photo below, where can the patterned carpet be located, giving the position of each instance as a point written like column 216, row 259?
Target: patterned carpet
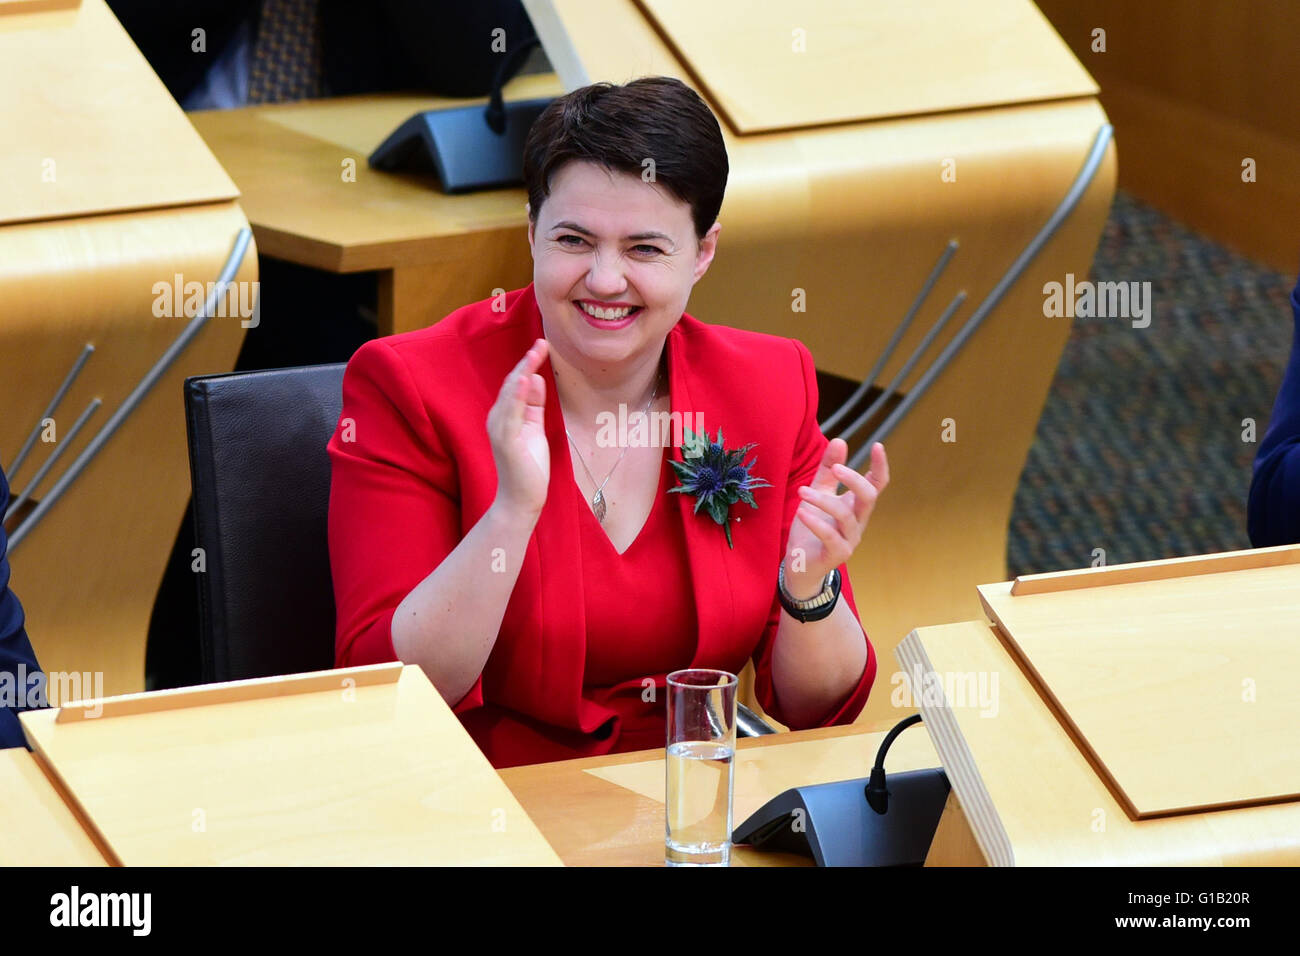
column 1139, row 450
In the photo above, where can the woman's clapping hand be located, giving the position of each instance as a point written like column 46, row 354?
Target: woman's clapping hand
column 827, row 527
column 516, row 427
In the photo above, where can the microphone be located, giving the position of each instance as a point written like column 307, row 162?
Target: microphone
column 876, row 790
column 466, row 147
column 495, row 113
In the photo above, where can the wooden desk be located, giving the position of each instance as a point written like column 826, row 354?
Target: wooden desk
column 107, row 197
column 358, row 766
column 1029, row 794
column 609, row 811
column 312, row 199
column 39, row 828
column 588, row 819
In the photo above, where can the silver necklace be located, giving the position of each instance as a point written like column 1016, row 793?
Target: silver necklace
column 598, row 499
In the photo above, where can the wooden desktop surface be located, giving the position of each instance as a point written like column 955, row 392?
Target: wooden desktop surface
column 609, row 811
column 89, row 128
column 844, row 62
column 312, row 199
column 597, row 811
column 356, row 766
column 1032, row 797
column 1164, row 669
column 38, row 828
column 294, row 165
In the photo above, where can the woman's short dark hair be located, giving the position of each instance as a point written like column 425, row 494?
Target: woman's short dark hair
column 655, row 118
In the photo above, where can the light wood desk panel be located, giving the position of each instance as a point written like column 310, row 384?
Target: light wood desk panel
column 88, row 574
column 88, row 126
column 835, row 62
column 1034, row 798
column 1177, row 678
column 358, row 766
column 37, row 828
column 587, row 817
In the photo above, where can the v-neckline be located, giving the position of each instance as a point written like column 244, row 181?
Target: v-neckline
column 660, row 492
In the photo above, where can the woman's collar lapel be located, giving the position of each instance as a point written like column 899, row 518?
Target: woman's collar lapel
column 559, row 627
column 692, row 402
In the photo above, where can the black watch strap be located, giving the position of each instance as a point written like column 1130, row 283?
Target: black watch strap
column 815, row 608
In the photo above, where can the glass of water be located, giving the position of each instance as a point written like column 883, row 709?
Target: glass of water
column 700, row 767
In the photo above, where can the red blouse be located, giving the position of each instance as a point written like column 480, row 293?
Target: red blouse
column 641, row 620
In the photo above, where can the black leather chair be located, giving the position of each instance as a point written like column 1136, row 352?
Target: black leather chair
column 261, row 480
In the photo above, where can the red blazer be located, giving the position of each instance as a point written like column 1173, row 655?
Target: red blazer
column 413, row 472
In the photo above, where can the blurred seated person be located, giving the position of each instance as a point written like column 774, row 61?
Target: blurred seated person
column 1273, row 509
column 276, row 51
column 489, row 523
column 22, row 683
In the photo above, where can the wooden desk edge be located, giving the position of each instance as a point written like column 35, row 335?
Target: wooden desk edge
column 74, row 807
column 742, row 743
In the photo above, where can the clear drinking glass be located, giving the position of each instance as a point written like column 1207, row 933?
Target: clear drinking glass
column 700, row 769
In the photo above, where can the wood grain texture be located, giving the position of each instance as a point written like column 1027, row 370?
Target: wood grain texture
column 258, row 688
column 292, row 163
column 1234, row 59
column 377, row 774
column 413, row 297
column 1138, row 571
column 1033, row 799
column 609, row 811
column 954, row 844
column 88, row 574
column 10, row 8
column 771, row 66
column 1194, row 87
column 88, row 126
column 1179, row 687
column 38, row 828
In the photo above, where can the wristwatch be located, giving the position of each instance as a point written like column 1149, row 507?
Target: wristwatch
column 815, row 608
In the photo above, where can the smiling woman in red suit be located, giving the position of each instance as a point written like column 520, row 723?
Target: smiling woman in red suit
column 491, row 523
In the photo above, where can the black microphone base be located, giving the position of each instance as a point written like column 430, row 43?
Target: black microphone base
column 459, row 147
column 832, row 823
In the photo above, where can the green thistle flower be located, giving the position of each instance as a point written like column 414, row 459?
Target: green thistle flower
column 717, row 477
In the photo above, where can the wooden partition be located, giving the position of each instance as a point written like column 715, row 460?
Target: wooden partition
column 1158, row 694
column 1196, row 88
column 114, row 219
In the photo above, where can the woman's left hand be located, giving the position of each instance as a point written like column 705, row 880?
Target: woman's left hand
column 827, row 527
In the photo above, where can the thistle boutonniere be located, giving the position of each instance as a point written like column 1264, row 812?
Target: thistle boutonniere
column 718, row 478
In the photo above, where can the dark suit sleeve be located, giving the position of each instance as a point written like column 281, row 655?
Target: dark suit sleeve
column 1273, row 510
column 22, row 685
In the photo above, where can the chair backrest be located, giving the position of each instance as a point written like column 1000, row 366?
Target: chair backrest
column 261, row 479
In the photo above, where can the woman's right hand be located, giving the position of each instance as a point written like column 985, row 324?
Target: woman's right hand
column 516, row 427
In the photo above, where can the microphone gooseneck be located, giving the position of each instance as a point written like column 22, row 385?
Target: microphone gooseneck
column 876, row 790
column 495, row 114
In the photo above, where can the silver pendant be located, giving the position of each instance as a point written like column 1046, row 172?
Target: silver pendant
column 598, row 505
